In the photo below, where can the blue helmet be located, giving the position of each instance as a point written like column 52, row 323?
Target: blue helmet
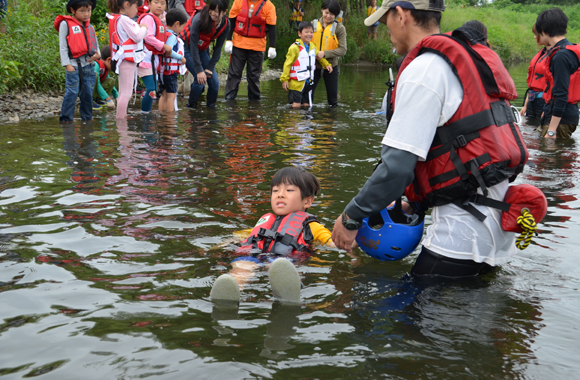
column 392, row 234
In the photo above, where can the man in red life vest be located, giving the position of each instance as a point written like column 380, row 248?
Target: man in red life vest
column 563, row 79
column 435, row 130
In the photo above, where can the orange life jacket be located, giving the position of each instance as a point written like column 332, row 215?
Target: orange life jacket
column 574, row 87
column 481, row 145
column 161, row 33
column 249, row 22
column 81, row 39
column 282, row 235
column 536, row 74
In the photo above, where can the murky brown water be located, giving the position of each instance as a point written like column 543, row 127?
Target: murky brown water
column 107, row 255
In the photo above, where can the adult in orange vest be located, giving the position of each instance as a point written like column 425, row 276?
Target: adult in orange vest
column 455, row 101
column 563, row 83
column 251, row 21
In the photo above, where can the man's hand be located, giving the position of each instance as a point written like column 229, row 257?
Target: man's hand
column 342, row 237
column 271, row 53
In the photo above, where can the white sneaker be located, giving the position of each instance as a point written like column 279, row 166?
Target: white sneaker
column 225, row 288
column 285, row 281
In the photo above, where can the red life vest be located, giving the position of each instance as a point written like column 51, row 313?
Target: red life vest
column 206, row 39
column 143, row 8
column 280, row 235
column 81, row 39
column 161, row 33
column 128, row 49
column 191, row 6
column 480, row 146
column 103, row 72
column 574, row 87
column 251, row 24
column 186, row 32
column 536, row 73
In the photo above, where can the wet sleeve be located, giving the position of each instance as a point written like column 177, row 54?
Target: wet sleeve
column 564, row 64
column 386, row 184
column 341, row 49
column 217, row 49
column 320, row 233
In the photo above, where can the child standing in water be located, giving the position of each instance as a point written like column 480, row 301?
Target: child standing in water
column 78, row 51
column 298, row 73
column 174, row 64
column 286, row 232
column 126, row 38
column 155, row 48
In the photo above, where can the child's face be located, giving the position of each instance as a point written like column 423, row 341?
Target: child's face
column 177, row 27
column 130, row 10
column 157, row 7
column 286, row 199
column 107, row 63
column 374, row 3
column 83, row 14
column 306, row 35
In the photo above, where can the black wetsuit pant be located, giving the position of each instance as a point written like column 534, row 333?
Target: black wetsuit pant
column 431, row 263
column 331, row 83
column 239, row 59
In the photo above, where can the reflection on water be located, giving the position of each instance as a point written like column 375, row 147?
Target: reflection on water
column 111, row 236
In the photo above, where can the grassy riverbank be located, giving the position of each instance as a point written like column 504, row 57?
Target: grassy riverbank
column 29, row 55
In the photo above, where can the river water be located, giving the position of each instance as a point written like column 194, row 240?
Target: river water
column 111, row 235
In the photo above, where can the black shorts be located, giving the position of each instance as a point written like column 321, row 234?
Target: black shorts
column 299, row 96
column 169, row 84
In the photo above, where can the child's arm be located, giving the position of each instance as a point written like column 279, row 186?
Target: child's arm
column 63, row 47
column 134, row 31
column 150, row 36
column 102, row 93
column 171, row 41
column 321, row 234
column 291, row 56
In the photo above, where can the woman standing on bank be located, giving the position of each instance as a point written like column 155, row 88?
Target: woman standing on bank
column 330, row 38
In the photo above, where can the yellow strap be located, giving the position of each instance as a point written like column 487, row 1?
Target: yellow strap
column 528, row 225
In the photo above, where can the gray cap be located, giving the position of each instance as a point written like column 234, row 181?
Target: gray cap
column 420, row 5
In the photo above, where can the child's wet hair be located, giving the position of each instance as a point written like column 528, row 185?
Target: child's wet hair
column 115, row 6
column 305, row 24
column 306, row 181
column 80, row 4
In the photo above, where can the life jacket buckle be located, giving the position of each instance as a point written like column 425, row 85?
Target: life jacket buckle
column 460, row 141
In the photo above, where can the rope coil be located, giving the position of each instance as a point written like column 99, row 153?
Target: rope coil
column 528, row 225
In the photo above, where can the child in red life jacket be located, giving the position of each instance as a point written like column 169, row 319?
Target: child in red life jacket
column 155, row 48
column 287, row 231
column 298, row 73
column 174, row 62
column 105, row 85
column 78, row 51
column 126, row 38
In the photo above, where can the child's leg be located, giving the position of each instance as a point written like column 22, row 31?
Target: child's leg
column 242, row 271
column 89, row 78
column 162, row 100
column 147, row 101
column 108, row 85
column 126, row 82
column 71, row 92
column 170, row 102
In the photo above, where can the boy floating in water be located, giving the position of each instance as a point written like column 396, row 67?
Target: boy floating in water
column 288, row 231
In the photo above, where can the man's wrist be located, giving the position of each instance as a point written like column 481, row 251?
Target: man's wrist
column 350, row 224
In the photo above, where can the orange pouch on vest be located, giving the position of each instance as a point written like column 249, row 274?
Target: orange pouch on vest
column 523, row 197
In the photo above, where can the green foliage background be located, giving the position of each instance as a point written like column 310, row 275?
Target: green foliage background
column 29, row 56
